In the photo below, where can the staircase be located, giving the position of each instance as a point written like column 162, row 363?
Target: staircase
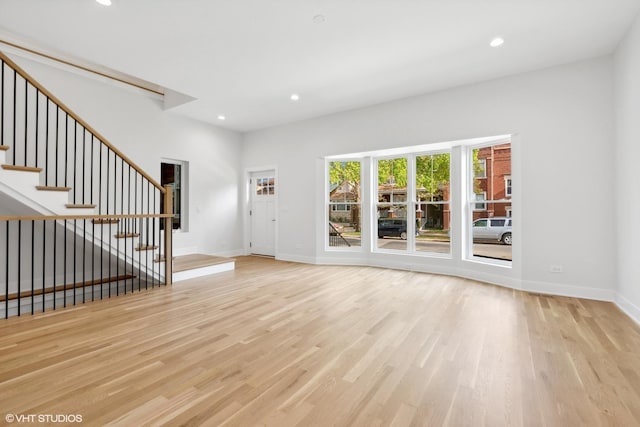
column 78, row 220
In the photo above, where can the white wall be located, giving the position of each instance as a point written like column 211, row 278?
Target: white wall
column 137, row 125
column 627, row 112
column 563, row 119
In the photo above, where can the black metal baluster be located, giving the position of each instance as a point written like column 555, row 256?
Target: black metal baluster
column 26, row 114
column 46, row 145
column 84, row 260
column 44, row 262
column 57, row 144
column 91, row 175
column 75, row 235
column 66, row 153
column 64, row 266
column 33, row 228
column 19, row 262
column 55, row 251
column 93, row 260
column 129, row 228
column 140, row 227
column 14, row 117
column 75, row 162
column 37, row 122
column 101, row 259
column 118, row 230
column 84, row 160
column 107, row 177
column 109, row 252
column 6, row 272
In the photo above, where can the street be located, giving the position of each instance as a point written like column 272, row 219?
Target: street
column 489, row 250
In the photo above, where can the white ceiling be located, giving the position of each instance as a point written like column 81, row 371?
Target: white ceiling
column 243, row 58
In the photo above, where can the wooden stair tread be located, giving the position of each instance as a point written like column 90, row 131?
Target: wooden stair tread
column 4, row 147
column 21, row 168
column 145, row 248
column 79, row 206
column 101, row 221
column 59, row 288
column 126, row 235
column 193, row 261
column 51, row 188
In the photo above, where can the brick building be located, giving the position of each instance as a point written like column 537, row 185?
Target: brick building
column 493, row 181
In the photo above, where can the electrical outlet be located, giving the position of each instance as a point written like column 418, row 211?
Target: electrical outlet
column 556, row 268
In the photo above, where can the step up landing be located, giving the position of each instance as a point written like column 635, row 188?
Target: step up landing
column 197, row 265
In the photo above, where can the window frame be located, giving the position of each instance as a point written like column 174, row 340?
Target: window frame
column 330, row 205
column 459, row 204
column 468, row 190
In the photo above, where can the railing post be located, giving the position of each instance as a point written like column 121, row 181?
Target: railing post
column 168, row 235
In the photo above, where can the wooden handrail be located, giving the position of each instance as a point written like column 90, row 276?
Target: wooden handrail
column 82, row 67
column 71, row 217
column 67, row 110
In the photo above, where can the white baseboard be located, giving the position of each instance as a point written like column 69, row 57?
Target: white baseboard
column 296, row 258
column 628, row 308
column 569, row 290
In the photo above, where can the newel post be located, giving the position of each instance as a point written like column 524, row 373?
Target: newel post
column 168, row 235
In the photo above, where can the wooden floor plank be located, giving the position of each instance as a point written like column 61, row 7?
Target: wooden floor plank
column 284, row 344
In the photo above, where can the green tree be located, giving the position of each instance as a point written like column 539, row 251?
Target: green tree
column 432, row 175
column 393, row 171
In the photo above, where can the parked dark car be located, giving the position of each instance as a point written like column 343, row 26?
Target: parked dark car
column 392, row 227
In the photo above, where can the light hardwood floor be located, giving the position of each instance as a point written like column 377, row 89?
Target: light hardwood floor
column 285, row 344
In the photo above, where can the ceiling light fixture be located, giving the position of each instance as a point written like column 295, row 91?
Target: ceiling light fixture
column 295, row 97
column 104, row 2
column 318, row 19
column 221, row 117
column 498, row 41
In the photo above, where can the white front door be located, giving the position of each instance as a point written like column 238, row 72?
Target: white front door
column 263, row 213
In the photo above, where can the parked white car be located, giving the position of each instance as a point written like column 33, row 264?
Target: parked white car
column 496, row 229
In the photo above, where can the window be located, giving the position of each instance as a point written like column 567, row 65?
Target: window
column 412, row 195
column 266, row 186
column 173, row 173
column 481, row 197
column 345, row 221
column 490, row 207
column 480, row 168
column 432, row 191
column 340, row 207
column 391, row 209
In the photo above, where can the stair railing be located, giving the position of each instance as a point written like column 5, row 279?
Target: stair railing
column 41, row 134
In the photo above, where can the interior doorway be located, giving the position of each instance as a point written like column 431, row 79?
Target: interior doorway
column 263, row 188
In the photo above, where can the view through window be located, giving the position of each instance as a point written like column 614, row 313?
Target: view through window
column 345, row 220
column 412, row 196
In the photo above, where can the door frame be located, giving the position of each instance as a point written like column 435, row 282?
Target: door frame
column 247, row 199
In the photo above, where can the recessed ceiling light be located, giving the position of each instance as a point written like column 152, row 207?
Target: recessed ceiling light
column 318, row 19
column 295, row 97
column 221, row 117
column 104, row 2
column 498, row 41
